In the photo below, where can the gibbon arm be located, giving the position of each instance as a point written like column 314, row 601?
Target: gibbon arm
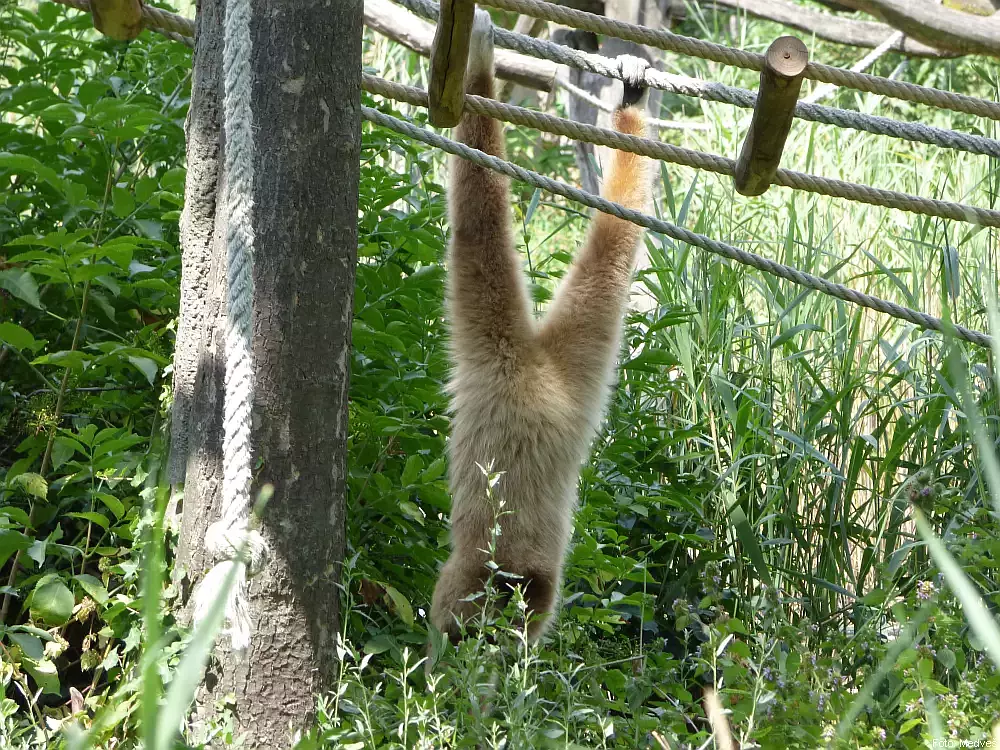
column 582, row 329
column 490, row 316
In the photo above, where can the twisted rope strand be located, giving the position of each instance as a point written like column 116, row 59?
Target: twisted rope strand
column 918, row 318
column 671, row 42
column 691, row 158
column 228, row 537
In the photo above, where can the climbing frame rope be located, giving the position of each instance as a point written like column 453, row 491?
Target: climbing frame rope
column 717, row 92
column 230, row 540
column 689, row 157
column 916, row 317
column 692, row 47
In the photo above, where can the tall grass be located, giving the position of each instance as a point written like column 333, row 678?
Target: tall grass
column 763, row 434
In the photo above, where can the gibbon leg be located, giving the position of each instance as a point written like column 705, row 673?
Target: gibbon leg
column 459, row 580
column 540, row 595
column 582, row 329
column 488, row 304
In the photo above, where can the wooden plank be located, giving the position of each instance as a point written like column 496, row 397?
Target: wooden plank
column 780, row 81
column 449, row 59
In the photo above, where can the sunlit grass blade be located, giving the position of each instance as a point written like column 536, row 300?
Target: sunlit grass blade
column 187, row 677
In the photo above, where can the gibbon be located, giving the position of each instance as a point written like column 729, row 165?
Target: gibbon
column 527, row 397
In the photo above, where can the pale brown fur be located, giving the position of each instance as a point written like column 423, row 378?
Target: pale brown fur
column 527, row 397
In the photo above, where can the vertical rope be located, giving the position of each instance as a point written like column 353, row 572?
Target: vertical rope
column 228, row 537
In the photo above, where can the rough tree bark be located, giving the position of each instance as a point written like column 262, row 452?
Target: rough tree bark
column 306, row 107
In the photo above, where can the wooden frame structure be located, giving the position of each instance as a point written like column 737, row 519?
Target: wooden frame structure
column 449, row 60
column 780, row 82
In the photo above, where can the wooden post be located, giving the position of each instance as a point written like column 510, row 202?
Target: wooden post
column 780, row 81
column 118, row 19
column 449, row 58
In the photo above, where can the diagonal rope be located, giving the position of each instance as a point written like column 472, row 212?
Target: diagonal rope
column 718, row 92
column 918, row 318
column 691, row 158
column 692, row 47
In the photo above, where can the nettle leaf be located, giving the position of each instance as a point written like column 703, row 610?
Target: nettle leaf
column 17, row 337
column 22, row 285
column 34, row 484
column 52, row 601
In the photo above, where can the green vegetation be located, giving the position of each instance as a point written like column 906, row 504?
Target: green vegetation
column 748, row 515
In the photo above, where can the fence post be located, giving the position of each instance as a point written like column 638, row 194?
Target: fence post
column 449, row 58
column 780, row 81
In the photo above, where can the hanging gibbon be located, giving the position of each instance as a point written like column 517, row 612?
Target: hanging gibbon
column 528, row 396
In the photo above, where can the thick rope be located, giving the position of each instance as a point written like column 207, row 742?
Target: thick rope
column 227, row 538
column 604, row 106
column 920, row 319
column 821, row 92
column 690, row 158
column 170, row 25
column 718, row 92
column 671, row 42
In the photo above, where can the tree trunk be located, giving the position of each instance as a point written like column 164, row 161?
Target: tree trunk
column 306, row 109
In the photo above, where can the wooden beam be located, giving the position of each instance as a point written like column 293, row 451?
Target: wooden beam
column 118, row 19
column 410, row 30
column 449, row 59
column 938, row 25
column 780, row 81
column 833, row 28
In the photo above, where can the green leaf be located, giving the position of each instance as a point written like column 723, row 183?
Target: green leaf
column 111, row 502
column 146, row 366
column 45, row 674
column 414, row 465
column 401, row 603
column 93, row 517
column 748, row 538
column 91, row 91
column 22, row 285
column 380, row 644
column 10, row 542
column 52, row 602
column 31, row 645
column 122, row 202
column 93, row 586
column 434, row 471
column 17, row 337
column 25, row 164
column 33, row 484
column 946, row 657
